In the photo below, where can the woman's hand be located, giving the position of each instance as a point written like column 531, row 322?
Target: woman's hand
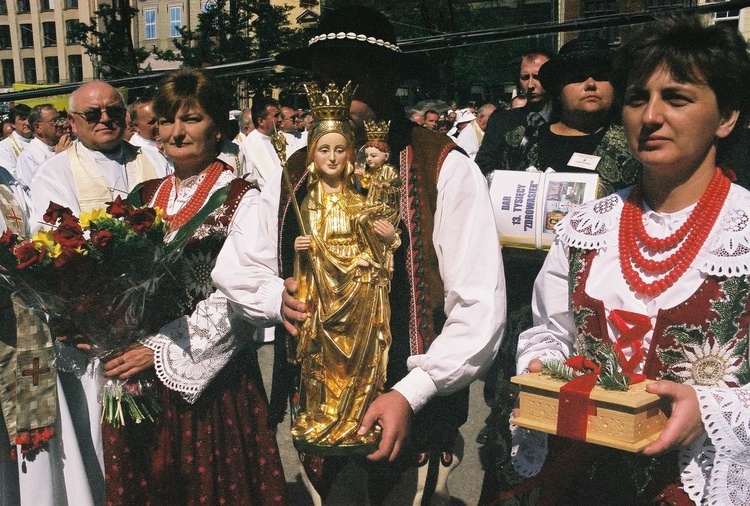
column 384, row 231
column 129, row 362
column 684, row 425
column 302, row 243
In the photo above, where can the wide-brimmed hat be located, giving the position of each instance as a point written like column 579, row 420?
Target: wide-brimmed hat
column 354, row 27
column 577, row 60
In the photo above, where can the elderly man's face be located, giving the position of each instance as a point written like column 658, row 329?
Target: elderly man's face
column 147, row 124
column 50, row 127
column 98, row 116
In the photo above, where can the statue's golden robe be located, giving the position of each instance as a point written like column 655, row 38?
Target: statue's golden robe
column 343, row 346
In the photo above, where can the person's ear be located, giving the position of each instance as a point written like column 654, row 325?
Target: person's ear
column 727, row 123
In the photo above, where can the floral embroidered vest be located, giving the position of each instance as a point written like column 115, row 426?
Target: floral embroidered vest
column 193, row 273
column 701, row 341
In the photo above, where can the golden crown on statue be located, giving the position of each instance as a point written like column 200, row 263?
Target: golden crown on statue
column 331, row 104
column 377, row 130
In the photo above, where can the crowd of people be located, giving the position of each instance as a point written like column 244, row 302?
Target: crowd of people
column 663, row 248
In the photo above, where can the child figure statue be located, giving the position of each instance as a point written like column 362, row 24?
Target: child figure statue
column 344, row 273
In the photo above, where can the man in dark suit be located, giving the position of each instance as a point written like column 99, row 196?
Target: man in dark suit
column 536, row 112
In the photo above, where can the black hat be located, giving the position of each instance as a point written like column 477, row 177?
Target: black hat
column 355, row 27
column 576, row 61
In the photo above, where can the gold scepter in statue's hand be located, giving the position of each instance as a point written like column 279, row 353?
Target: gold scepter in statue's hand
column 279, row 145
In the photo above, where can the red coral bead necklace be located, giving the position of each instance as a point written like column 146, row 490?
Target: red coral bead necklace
column 193, row 205
column 688, row 239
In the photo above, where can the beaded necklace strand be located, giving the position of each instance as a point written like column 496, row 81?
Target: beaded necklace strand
column 690, row 238
column 194, row 203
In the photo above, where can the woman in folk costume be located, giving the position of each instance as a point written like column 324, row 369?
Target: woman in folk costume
column 660, row 272
column 211, row 443
column 345, row 269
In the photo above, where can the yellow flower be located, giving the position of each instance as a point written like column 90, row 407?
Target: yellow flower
column 54, row 251
column 44, row 238
column 87, row 217
column 159, row 216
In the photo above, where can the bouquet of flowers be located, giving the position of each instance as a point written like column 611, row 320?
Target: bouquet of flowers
column 104, row 278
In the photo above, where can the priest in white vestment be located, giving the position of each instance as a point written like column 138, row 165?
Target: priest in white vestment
column 14, row 144
column 49, row 139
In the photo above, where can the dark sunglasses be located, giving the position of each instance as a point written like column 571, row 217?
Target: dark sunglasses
column 115, row 112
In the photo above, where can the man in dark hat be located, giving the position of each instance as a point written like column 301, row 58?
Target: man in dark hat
column 447, row 295
column 537, row 111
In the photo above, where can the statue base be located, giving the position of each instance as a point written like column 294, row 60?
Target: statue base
column 343, row 450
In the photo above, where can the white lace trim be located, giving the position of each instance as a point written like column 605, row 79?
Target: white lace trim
column 189, row 352
column 595, row 225
column 528, row 451
column 725, row 463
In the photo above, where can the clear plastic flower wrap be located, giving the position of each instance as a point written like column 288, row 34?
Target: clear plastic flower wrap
column 106, row 280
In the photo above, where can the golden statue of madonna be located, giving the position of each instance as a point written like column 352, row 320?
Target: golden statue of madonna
column 343, row 271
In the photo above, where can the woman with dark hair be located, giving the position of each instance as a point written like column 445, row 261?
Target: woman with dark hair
column 211, row 444
column 671, row 253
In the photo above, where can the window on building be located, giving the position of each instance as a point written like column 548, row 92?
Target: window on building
column 731, row 18
column 52, row 69
column 9, row 74
column 27, row 36
column 3, row 7
column 4, row 37
column 175, row 20
column 75, row 68
column 657, row 4
column 23, row 6
column 149, row 20
column 29, row 70
column 591, row 8
column 70, row 24
column 71, row 4
column 49, row 33
column 48, row 5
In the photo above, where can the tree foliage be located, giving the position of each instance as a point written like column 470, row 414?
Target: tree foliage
column 108, row 41
column 230, row 31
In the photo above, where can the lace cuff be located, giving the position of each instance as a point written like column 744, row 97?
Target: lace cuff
column 726, row 416
column 190, row 351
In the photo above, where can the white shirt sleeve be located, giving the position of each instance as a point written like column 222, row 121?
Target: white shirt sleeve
column 246, row 271
column 468, row 252
column 554, row 330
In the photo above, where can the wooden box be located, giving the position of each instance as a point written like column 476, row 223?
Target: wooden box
column 628, row 420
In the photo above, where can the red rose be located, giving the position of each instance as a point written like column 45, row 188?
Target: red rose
column 101, row 238
column 142, row 219
column 57, row 212
column 28, row 255
column 8, row 238
column 120, row 208
column 69, row 234
column 64, row 257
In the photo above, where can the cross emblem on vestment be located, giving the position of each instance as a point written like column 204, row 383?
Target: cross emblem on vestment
column 14, row 217
column 35, row 372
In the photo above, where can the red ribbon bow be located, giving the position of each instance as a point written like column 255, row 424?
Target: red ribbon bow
column 574, row 405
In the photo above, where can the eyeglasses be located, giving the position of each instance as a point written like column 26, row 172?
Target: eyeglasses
column 115, row 112
column 56, row 121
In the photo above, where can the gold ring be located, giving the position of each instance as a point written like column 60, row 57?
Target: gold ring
column 120, row 360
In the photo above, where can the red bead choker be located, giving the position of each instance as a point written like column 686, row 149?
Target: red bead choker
column 193, row 205
column 688, row 239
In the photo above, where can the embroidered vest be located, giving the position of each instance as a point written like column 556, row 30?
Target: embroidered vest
column 702, row 341
column 199, row 255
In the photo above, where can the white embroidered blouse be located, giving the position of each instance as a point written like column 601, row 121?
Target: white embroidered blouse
column 190, row 351
column 716, row 468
